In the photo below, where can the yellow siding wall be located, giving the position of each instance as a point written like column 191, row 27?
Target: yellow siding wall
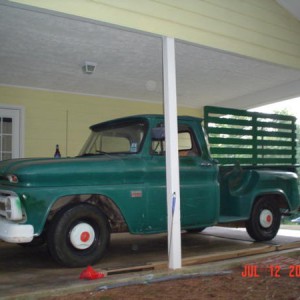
column 257, row 28
column 49, row 114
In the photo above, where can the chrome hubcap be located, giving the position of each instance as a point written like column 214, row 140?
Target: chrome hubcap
column 266, row 218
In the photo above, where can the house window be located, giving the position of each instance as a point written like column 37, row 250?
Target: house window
column 10, row 133
column 6, row 138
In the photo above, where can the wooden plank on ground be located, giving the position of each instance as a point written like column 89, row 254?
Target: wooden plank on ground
column 202, row 259
column 227, row 255
column 188, row 261
column 288, row 246
column 130, row 269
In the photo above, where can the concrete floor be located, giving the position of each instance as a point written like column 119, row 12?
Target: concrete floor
column 31, row 272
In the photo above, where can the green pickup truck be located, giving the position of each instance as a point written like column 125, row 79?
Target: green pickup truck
column 117, row 183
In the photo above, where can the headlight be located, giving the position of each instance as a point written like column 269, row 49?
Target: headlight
column 11, row 208
column 8, row 204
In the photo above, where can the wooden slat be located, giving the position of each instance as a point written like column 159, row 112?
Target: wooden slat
column 250, row 137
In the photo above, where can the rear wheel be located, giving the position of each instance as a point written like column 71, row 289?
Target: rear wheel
column 264, row 221
column 78, row 236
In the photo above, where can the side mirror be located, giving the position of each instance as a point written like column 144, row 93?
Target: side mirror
column 158, row 133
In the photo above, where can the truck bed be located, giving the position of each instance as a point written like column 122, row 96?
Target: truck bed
column 237, row 183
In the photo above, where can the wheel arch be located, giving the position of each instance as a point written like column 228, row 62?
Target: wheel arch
column 113, row 214
column 278, row 197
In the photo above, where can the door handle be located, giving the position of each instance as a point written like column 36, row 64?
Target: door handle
column 205, row 164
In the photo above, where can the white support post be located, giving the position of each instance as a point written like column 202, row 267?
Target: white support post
column 172, row 161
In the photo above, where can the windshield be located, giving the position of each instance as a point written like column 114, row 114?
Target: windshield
column 116, row 138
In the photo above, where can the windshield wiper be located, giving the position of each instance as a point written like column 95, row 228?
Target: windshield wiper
column 101, row 152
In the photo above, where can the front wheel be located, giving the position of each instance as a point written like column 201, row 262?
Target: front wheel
column 78, row 236
column 265, row 220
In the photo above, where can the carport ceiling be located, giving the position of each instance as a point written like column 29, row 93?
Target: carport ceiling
column 46, row 50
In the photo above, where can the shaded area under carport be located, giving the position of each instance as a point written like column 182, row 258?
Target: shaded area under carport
column 31, row 272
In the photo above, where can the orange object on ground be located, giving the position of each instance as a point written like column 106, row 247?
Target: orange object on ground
column 90, row 274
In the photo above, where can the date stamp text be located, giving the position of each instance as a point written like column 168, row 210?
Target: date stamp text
column 252, row 271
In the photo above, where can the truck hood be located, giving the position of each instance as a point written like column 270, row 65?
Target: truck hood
column 100, row 169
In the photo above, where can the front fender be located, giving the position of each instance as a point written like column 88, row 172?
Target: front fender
column 39, row 202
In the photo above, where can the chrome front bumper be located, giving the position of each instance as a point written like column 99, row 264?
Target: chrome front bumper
column 15, row 233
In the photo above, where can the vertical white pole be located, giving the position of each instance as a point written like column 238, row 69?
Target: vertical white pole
column 172, row 162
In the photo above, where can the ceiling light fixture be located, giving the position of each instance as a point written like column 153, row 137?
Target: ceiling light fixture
column 89, row 67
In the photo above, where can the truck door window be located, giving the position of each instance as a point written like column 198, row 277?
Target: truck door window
column 186, row 144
